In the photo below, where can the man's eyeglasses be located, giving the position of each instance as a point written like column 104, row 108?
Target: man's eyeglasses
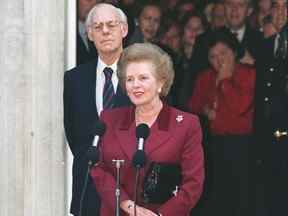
column 110, row 25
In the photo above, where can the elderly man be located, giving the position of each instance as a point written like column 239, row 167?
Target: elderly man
column 271, row 112
column 88, row 89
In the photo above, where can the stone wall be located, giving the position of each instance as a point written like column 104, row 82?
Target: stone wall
column 32, row 147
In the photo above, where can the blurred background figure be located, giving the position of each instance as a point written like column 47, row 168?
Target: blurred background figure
column 237, row 13
column 168, row 6
column 149, row 21
column 86, row 50
column 208, row 10
column 224, row 95
column 194, row 24
column 131, row 9
column 271, row 118
column 183, row 8
column 170, row 33
column 268, row 27
column 218, row 19
column 261, row 10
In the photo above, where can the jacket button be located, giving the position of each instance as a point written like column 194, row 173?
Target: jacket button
column 266, row 99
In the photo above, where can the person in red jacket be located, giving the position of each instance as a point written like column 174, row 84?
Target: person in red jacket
column 224, row 95
column 146, row 73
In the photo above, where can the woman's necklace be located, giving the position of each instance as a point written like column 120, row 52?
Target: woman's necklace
column 147, row 117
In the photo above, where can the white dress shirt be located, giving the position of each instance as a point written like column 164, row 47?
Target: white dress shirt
column 240, row 33
column 100, row 81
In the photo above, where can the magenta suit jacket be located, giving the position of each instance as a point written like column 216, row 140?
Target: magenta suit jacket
column 175, row 137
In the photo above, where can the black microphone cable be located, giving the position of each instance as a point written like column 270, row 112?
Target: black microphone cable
column 139, row 158
column 136, row 185
column 92, row 155
column 84, row 189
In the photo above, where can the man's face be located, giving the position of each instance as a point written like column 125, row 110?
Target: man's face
column 84, row 6
column 107, row 31
column 236, row 12
column 279, row 13
column 149, row 22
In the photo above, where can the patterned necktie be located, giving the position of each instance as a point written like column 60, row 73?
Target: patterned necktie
column 236, row 35
column 108, row 91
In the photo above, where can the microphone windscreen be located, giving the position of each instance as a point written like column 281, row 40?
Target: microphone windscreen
column 92, row 154
column 139, row 159
column 99, row 129
column 142, row 131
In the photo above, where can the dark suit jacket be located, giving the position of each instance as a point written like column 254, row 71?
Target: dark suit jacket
column 175, row 137
column 80, row 114
column 271, row 114
column 83, row 55
column 271, row 93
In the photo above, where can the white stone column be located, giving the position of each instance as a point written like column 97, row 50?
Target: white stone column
column 32, row 147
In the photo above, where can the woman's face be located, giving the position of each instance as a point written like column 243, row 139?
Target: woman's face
column 172, row 38
column 141, row 83
column 192, row 29
column 221, row 55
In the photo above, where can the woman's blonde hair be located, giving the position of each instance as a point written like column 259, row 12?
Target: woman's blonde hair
column 147, row 52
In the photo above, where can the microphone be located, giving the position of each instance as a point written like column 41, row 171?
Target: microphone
column 98, row 131
column 139, row 158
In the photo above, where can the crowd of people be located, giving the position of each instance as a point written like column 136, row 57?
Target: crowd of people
column 224, row 61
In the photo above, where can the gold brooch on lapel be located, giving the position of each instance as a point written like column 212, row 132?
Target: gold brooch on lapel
column 179, row 118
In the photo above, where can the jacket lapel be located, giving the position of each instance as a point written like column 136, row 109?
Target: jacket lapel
column 90, row 82
column 126, row 133
column 160, row 132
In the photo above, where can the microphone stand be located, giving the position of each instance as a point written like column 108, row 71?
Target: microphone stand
column 118, row 164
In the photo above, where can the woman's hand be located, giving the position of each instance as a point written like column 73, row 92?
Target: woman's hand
column 140, row 211
column 226, row 68
column 128, row 207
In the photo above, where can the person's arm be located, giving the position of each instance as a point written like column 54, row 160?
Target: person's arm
column 192, row 165
column 68, row 111
column 198, row 101
column 237, row 92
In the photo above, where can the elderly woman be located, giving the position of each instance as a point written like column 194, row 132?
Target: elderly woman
column 224, row 94
column 146, row 73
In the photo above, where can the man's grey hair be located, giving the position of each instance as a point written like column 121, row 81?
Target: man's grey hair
column 122, row 16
